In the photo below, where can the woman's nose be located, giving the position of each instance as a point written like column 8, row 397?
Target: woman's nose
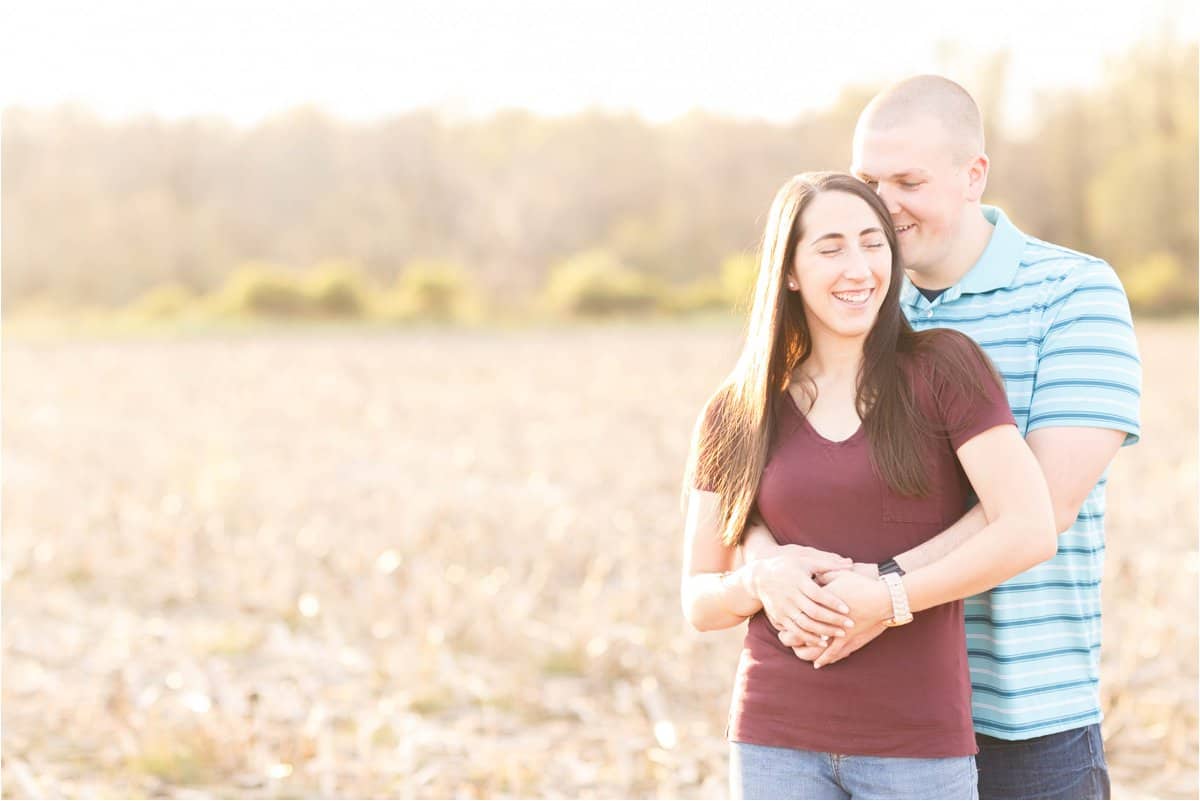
column 856, row 265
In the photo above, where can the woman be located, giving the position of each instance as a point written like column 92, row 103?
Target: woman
column 848, row 433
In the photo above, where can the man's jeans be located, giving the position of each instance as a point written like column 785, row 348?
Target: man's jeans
column 763, row 771
column 1069, row 764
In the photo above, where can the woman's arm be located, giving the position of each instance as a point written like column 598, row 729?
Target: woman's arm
column 1020, row 530
column 716, row 594
column 715, row 601
column 784, row 581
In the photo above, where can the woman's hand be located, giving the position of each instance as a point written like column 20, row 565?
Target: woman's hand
column 870, row 606
column 826, row 654
column 837, row 650
column 793, row 600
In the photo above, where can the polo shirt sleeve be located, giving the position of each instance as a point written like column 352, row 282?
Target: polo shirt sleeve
column 1088, row 373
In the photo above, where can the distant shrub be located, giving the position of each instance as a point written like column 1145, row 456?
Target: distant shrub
column 705, row 295
column 337, row 290
column 168, row 301
column 1158, row 285
column 432, row 291
column 594, row 283
column 264, row 290
column 739, row 273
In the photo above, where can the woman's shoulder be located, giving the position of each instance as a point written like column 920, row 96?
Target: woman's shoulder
column 948, row 371
column 716, row 409
column 935, row 343
column 943, row 353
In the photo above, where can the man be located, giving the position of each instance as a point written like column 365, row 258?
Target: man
column 1057, row 325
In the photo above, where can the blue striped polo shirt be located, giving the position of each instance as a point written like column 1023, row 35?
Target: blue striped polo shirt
column 1057, row 325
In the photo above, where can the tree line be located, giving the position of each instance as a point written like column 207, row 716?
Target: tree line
column 98, row 213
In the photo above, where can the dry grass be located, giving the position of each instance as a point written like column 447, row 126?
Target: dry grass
column 438, row 564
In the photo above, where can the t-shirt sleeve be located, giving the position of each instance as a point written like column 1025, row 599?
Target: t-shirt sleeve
column 1089, row 373
column 970, row 407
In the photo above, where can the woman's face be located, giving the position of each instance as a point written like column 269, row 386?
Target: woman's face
column 843, row 266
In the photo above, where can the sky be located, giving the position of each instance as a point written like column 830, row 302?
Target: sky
column 774, row 60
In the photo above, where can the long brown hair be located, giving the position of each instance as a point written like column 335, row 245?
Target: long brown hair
column 732, row 437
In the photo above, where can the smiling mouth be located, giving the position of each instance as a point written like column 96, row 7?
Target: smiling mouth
column 900, row 229
column 858, row 297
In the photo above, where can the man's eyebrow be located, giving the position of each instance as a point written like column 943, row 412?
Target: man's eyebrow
column 913, row 173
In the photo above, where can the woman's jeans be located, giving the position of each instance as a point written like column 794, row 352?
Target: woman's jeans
column 763, row 771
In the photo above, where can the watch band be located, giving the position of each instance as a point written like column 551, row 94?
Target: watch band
column 901, row 613
column 891, row 566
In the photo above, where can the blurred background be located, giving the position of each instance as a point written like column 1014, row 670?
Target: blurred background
column 351, row 352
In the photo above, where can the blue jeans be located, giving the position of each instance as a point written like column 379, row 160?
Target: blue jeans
column 1068, row 764
column 764, row 771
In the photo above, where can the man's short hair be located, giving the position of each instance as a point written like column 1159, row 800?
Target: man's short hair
column 930, row 96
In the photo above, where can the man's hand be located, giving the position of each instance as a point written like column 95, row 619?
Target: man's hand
column 866, row 569
column 868, row 599
column 794, row 601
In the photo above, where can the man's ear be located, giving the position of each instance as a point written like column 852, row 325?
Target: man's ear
column 977, row 173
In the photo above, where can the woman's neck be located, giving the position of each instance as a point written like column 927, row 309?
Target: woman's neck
column 834, row 360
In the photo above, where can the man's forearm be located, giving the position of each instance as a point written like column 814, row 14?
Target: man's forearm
column 934, row 549
column 981, row 563
column 1072, row 460
column 758, row 542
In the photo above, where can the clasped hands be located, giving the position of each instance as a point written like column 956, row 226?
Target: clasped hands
column 824, row 606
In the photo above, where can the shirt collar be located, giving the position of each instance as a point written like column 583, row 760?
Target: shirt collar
column 996, row 268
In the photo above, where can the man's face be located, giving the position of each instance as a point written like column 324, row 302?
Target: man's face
column 912, row 168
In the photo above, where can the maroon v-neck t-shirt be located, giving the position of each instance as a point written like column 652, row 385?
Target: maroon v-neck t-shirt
column 908, row 692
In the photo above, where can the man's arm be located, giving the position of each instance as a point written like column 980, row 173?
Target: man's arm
column 1091, row 308
column 1072, row 461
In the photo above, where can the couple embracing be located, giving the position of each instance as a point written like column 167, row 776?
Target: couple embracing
column 901, row 483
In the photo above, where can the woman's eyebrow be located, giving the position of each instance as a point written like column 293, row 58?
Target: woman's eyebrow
column 829, row 236
column 835, row 235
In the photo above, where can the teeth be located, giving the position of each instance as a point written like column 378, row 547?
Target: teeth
column 853, row 297
column 902, row 228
